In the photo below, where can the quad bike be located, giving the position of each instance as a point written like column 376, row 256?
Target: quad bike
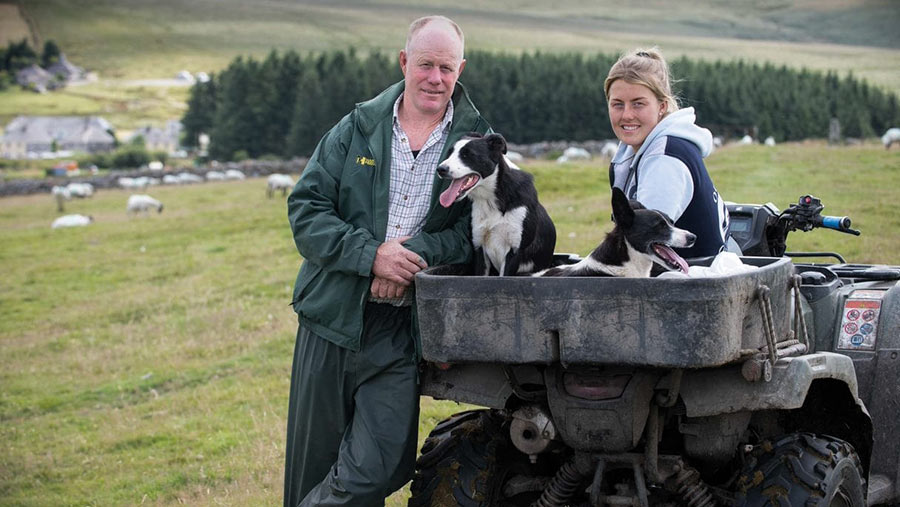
column 780, row 385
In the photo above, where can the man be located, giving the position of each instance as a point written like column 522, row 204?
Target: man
column 365, row 219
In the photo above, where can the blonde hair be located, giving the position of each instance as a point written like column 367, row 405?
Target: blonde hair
column 645, row 67
column 420, row 23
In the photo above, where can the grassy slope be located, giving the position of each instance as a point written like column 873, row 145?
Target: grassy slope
column 133, row 39
column 148, row 359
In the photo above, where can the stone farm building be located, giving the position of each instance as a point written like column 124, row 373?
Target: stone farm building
column 166, row 139
column 57, row 75
column 41, row 136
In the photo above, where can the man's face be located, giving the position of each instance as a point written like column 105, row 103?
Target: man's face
column 431, row 66
column 633, row 112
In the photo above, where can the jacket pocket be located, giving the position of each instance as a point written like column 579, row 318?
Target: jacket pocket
column 308, row 273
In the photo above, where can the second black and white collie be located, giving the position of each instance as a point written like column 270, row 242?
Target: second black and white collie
column 511, row 231
column 640, row 238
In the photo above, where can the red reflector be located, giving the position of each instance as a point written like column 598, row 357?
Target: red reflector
column 443, row 366
column 595, row 387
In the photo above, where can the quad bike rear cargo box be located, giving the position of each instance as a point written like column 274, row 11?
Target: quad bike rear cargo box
column 669, row 322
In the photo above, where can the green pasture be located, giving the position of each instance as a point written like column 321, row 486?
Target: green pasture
column 126, row 105
column 147, row 359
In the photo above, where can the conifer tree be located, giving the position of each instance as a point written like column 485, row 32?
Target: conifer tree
column 201, row 112
column 235, row 124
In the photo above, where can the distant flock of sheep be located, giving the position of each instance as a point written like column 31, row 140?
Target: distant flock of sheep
column 143, row 203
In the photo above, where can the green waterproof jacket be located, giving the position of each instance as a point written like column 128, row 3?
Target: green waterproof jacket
column 339, row 209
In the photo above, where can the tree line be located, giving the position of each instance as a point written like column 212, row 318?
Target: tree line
column 282, row 105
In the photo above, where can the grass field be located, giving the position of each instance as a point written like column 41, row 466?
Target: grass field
column 126, row 106
column 147, row 360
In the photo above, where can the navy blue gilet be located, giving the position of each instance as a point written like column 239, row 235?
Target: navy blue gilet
column 701, row 217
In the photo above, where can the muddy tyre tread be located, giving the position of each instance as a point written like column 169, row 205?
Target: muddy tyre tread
column 457, row 459
column 800, row 469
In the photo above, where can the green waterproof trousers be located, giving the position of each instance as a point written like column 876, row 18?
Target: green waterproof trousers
column 353, row 416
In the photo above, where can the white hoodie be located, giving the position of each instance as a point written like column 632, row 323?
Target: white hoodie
column 665, row 181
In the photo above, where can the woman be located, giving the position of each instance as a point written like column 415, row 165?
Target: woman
column 659, row 161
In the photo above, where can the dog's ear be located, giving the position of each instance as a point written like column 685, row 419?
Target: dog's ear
column 496, row 143
column 473, row 134
column 623, row 215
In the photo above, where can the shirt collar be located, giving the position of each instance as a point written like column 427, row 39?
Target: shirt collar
column 446, row 122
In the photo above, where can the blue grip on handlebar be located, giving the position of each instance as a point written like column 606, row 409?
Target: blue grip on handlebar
column 838, row 223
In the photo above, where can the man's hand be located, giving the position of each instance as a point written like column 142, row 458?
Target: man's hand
column 395, row 263
column 386, row 289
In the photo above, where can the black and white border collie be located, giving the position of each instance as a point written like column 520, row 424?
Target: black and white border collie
column 511, row 231
column 640, row 238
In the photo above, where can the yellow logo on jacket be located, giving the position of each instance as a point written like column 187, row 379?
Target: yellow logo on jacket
column 365, row 161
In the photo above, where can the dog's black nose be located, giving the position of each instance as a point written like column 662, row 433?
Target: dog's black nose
column 442, row 171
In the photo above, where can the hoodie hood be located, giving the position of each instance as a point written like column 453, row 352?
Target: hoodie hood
column 678, row 124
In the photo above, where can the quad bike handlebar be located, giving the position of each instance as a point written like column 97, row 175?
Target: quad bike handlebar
column 762, row 230
column 806, row 215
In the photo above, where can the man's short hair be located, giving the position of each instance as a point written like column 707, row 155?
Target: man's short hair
column 420, row 23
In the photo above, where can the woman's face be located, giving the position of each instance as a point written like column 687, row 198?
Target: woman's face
column 633, row 112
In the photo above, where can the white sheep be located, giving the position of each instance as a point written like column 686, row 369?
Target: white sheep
column 61, row 194
column 890, row 137
column 71, row 221
column 142, row 202
column 133, row 183
column 80, row 190
column 573, row 153
column 746, row 140
column 215, row 176
column 279, row 181
column 770, row 141
column 234, row 174
column 187, row 177
column 609, row 149
column 514, row 156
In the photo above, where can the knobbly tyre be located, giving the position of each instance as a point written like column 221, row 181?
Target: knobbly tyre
column 780, row 385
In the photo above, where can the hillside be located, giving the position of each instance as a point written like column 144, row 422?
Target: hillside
column 130, row 41
column 138, row 38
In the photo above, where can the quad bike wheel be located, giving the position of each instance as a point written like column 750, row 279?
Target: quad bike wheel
column 802, row 469
column 465, row 461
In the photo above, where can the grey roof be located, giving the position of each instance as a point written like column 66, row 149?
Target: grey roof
column 153, row 135
column 66, row 69
column 62, row 129
column 33, row 74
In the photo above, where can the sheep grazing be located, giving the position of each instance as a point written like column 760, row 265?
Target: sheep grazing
column 234, row 174
column 142, row 203
column 573, row 153
column 770, row 141
column 61, row 194
column 133, row 183
column 279, row 181
column 608, row 150
column 746, row 140
column 71, row 221
column 187, row 177
column 514, row 156
column 81, row 190
column 890, row 137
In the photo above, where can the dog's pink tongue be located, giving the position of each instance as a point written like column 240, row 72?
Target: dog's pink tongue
column 668, row 254
column 449, row 196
